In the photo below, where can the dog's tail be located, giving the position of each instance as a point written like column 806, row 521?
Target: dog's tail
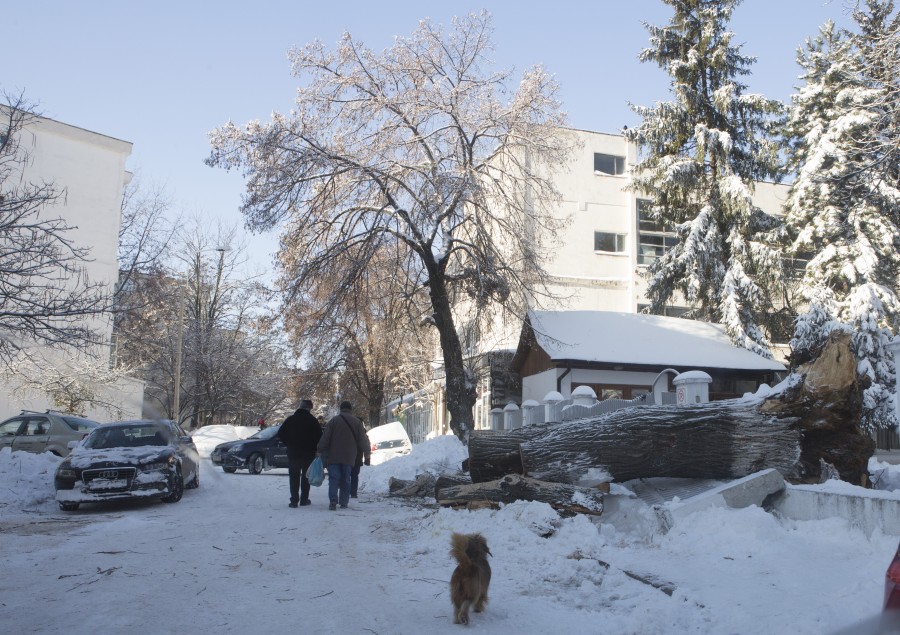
column 464, row 547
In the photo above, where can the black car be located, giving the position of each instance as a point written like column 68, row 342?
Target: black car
column 129, row 459
column 262, row 451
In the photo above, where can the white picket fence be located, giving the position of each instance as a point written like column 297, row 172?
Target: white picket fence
column 555, row 409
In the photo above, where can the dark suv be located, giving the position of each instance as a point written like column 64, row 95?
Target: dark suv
column 262, row 451
column 48, row 431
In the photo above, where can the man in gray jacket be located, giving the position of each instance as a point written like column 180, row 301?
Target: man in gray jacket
column 343, row 440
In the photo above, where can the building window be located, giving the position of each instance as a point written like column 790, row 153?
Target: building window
column 615, row 391
column 669, row 311
column 654, row 239
column 609, row 164
column 605, row 241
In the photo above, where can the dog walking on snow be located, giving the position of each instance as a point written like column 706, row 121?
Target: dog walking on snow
column 470, row 580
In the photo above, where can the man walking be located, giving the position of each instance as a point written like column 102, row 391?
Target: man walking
column 343, row 440
column 300, row 432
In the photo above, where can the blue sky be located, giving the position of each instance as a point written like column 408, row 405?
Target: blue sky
column 162, row 74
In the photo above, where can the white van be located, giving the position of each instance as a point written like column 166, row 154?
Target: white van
column 388, row 440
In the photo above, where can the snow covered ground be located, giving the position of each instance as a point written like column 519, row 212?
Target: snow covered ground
column 232, row 557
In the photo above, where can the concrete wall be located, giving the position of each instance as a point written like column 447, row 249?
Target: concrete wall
column 867, row 509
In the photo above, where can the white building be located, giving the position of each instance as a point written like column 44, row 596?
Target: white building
column 607, row 245
column 90, row 168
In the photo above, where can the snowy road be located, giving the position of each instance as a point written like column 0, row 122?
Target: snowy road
column 232, row 557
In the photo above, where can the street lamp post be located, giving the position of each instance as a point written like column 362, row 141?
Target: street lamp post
column 176, row 405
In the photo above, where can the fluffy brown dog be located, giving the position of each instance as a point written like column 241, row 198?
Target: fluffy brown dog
column 470, row 580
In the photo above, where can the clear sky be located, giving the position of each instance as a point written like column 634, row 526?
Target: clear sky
column 163, row 73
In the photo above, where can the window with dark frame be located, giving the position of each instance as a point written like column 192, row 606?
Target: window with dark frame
column 654, row 239
column 609, row 164
column 610, row 242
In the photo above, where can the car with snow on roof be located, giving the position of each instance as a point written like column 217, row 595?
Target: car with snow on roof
column 127, row 460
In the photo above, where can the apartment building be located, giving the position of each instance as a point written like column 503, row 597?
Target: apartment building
column 90, row 168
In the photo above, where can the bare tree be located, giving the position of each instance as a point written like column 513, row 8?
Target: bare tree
column 357, row 345
column 45, row 293
column 145, row 233
column 77, row 384
column 234, row 366
column 420, row 150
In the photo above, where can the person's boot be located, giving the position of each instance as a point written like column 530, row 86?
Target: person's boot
column 332, row 506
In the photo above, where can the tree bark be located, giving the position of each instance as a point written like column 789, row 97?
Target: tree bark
column 816, row 418
column 724, row 439
column 459, row 382
column 510, row 488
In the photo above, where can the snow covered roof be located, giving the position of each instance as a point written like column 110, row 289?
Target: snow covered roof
column 638, row 339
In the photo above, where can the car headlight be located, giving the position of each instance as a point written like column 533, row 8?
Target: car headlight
column 158, row 465
column 65, row 471
column 235, row 449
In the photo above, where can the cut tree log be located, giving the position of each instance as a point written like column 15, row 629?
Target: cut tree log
column 817, row 417
column 425, row 484
column 422, row 486
column 513, row 487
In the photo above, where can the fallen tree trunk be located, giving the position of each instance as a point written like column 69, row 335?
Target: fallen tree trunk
column 816, row 418
column 714, row 440
column 513, row 487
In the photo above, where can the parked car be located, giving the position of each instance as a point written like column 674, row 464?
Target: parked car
column 129, row 459
column 261, row 451
column 389, row 440
column 892, row 584
column 44, row 431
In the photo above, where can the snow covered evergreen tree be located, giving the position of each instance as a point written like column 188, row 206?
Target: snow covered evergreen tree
column 844, row 206
column 701, row 154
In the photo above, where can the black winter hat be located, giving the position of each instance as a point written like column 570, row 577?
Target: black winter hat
column 346, row 405
column 305, row 404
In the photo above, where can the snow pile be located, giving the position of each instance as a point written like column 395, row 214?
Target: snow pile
column 26, row 479
column 208, row 437
column 884, row 476
column 438, row 455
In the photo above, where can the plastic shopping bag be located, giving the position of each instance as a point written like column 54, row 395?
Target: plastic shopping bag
column 316, row 472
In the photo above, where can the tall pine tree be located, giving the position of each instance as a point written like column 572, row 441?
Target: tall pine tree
column 842, row 212
column 701, row 154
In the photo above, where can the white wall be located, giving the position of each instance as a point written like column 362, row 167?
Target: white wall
column 90, row 167
column 537, row 386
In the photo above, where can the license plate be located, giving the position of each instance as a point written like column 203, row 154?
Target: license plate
column 104, row 484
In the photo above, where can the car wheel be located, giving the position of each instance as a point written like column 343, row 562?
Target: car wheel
column 195, row 482
column 176, row 487
column 230, row 470
column 256, row 463
column 68, row 507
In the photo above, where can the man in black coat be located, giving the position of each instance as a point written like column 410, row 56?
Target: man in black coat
column 300, row 433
